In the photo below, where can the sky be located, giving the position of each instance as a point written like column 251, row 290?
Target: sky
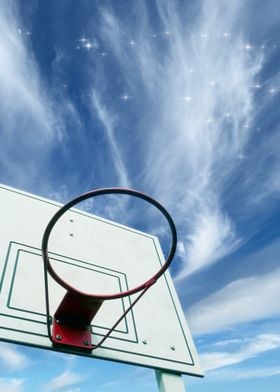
column 180, row 100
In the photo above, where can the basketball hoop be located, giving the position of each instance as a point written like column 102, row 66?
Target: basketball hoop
column 72, row 319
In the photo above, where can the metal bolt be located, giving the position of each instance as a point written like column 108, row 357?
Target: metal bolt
column 172, row 348
column 58, row 337
column 144, row 341
column 86, row 343
column 71, row 234
column 71, row 220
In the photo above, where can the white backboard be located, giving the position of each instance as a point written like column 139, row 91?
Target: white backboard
column 97, row 256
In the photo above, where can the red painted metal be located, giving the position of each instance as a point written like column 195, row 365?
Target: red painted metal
column 67, row 335
column 72, row 321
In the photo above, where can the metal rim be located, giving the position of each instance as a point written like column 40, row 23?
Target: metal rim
column 99, row 192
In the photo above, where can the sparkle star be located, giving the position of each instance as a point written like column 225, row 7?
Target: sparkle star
column 88, row 45
column 248, row 47
column 187, row 99
column 125, row 97
column 85, row 43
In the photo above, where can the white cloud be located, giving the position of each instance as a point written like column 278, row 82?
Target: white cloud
column 140, row 376
column 196, row 83
column 27, row 117
column 265, row 184
column 21, row 89
column 60, row 195
column 11, row 358
column 65, row 380
column 241, row 301
column 108, row 121
column 227, row 342
column 11, row 385
column 244, row 374
column 69, row 359
column 212, row 238
column 258, row 345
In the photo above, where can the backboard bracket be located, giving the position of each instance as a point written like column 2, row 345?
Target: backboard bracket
column 72, row 319
column 75, row 337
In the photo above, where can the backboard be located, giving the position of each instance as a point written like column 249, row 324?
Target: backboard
column 95, row 255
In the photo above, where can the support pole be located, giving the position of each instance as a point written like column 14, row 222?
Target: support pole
column 169, row 381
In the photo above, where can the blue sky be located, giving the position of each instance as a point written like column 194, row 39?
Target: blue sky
column 179, row 99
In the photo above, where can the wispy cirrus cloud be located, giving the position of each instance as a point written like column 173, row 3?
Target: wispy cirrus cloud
column 11, row 358
column 11, row 384
column 67, row 379
column 256, row 346
column 108, row 121
column 243, row 374
column 198, row 108
column 28, row 122
column 241, row 301
column 141, row 376
column 212, row 238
